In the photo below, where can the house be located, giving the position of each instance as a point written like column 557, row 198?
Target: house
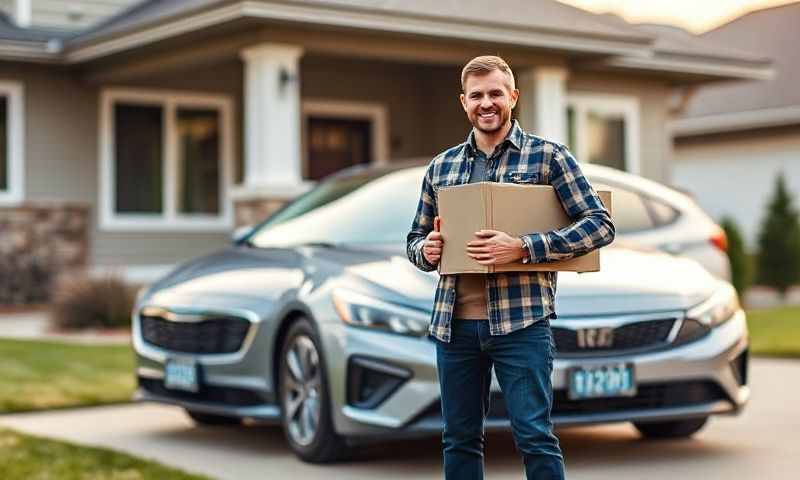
column 143, row 140
column 733, row 139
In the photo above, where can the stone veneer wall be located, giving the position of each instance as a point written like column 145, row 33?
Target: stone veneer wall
column 39, row 241
column 253, row 210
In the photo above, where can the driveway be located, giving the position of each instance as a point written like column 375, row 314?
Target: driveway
column 761, row 443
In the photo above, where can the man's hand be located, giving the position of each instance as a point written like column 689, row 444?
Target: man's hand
column 432, row 248
column 496, row 248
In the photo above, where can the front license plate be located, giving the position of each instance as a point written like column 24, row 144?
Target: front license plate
column 602, row 381
column 181, row 375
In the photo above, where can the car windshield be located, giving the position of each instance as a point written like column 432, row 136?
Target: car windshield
column 365, row 209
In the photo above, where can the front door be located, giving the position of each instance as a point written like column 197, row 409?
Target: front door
column 335, row 143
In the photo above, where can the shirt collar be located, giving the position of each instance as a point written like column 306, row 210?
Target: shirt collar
column 514, row 137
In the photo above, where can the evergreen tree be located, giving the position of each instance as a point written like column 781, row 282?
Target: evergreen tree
column 779, row 241
column 741, row 274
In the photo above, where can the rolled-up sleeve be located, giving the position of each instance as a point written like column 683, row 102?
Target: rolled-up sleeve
column 422, row 224
column 592, row 227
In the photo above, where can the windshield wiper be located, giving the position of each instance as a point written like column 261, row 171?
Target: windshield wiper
column 318, row 244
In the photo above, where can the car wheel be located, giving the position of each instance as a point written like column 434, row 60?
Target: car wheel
column 305, row 401
column 202, row 418
column 674, row 429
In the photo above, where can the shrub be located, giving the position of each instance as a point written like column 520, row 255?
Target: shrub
column 23, row 280
column 84, row 302
column 741, row 271
column 779, row 241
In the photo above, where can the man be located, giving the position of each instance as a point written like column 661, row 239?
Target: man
column 501, row 320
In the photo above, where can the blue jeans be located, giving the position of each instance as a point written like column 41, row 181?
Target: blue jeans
column 523, row 362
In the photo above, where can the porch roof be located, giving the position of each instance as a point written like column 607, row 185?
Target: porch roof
column 29, row 43
column 606, row 41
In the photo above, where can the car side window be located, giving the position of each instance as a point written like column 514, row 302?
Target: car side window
column 628, row 209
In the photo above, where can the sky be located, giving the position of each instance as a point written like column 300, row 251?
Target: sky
column 697, row 16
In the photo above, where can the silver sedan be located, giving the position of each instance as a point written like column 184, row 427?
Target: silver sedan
column 316, row 319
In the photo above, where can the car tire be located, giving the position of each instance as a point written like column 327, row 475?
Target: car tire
column 305, row 399
column 202, row 418
column 674, row 429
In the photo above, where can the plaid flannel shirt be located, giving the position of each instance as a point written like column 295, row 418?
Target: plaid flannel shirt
column 515, row 300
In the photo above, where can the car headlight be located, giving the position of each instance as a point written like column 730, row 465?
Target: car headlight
column 364, row 311
column 722, row 305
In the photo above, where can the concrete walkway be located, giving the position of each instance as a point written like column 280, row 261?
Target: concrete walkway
column 759, row 444
column 35, row 325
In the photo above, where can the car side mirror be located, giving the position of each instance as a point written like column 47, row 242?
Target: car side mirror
column 240, row 233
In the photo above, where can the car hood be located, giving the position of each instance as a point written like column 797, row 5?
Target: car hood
column 232, row 277
column 629, row 281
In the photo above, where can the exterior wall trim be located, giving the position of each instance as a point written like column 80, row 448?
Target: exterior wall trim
column 708, row 67
column 376, row 113
column 735, row 121
column 170, row 219
column 15, row 132
column 628, row 105
column 22, row 13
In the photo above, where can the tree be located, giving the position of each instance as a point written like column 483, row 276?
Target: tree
column 779, row 241
column 741, row 271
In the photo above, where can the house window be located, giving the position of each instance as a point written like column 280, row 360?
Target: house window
column 166, row 161
column 138, row 154
column 604, row 130
column 11, row 143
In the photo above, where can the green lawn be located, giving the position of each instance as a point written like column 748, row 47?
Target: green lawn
column 24, row 457
column 36, row 375
column 775, row 332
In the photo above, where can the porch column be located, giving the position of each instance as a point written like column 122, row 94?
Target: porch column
column 272, row 139
column 543, row 98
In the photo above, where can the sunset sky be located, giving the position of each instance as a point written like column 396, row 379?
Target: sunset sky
column 694, row 15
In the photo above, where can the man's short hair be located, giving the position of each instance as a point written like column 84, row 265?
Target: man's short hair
column 486, row 64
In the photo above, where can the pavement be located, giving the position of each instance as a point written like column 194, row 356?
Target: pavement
column 761, row 443
column 35, row 325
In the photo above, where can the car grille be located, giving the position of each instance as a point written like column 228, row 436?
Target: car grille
column 653, row 396
column 214, row 335
column 633, row 336
column 207, row 393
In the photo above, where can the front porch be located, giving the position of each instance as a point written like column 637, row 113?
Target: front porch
column 287, row 115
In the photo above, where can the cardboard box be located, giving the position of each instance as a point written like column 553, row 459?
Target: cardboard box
column 508, row 207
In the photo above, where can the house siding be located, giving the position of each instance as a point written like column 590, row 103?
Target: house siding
column 414, row 95
column 61, row 165
column 7, row 7
column 734, row 174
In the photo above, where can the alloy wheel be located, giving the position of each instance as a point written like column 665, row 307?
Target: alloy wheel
column 302, row 389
